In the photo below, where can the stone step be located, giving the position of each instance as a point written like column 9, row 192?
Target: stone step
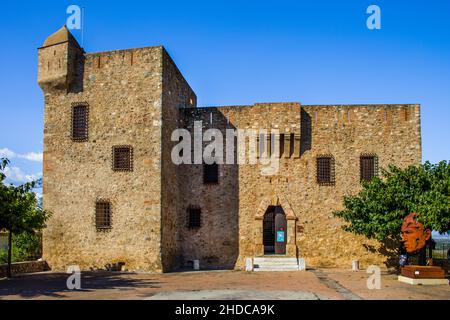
column 264, row 266
column 257, row 260
column 276, row 268
column 281, row 263
column 276, row 263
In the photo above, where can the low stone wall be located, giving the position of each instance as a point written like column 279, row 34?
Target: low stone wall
column 24, row 267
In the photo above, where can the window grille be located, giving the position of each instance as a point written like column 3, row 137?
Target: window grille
column 368, row 166
column 325, row 170
column 122, row 158
column 103, row 214
column 194, row 218
column 80, row 122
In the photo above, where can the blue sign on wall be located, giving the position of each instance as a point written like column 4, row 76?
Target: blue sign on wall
column 280, row 236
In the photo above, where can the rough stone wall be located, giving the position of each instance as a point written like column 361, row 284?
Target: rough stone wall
column 53, row 64
column 124, row 93
column 138, row 97
column 215, row 244
column 392, row 132
column 177, row 94
column 60, row 67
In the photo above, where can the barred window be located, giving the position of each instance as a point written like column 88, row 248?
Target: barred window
column 211, row 173
column 103, row 214
column 368, row 166
column 325, row 170
column 122, row 158
column 80, row 122
column 194, row 218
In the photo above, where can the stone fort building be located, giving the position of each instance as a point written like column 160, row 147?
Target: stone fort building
column 117, row 197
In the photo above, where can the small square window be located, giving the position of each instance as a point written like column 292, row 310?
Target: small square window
column 211, row 173
column 194, row 218
column 103, row 214
column 122, row 158
column 325, row 170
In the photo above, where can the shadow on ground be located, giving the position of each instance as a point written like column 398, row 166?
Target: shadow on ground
column 54, row 284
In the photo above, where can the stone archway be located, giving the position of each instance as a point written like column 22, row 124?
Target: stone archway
column 278, row 200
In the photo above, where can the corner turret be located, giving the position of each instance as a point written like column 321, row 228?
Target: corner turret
column 61, row 61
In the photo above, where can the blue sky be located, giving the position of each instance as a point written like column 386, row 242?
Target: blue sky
column 236, row 52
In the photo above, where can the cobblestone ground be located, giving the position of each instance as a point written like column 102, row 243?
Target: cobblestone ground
column 313, row 284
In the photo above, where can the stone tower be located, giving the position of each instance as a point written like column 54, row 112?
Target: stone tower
column 60, row 59
column 96, row 105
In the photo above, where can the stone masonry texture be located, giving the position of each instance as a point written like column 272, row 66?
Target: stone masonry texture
column 138, row 97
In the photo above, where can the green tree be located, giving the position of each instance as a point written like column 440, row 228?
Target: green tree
column 19, row 209
column 379, row 208
column 25, row 245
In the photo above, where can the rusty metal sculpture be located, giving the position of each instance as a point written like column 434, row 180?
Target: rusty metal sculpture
column 414, row 235
column 415, row 238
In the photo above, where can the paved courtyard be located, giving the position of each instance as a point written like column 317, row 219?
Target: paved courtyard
column 325, row 284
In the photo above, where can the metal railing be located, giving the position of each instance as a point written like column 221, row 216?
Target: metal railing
column 441, row 250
